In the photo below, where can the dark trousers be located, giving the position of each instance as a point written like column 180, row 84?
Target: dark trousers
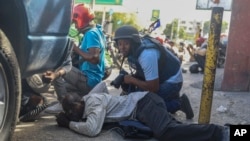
column 200, row 60
column 151, row 111
column 72, row 82
column 170, row 93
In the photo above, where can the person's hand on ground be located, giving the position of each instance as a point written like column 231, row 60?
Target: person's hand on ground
column 62, row 120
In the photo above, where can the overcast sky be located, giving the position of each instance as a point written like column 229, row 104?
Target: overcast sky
column 169, row 9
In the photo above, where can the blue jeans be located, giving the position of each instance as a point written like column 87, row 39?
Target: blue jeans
column 170, row 92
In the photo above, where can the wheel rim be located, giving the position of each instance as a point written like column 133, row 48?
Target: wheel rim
column 3, row 96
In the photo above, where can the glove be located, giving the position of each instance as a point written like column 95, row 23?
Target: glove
column 62, row 120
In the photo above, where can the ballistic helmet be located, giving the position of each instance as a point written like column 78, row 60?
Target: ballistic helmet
column 82, row 15
column 127, row 32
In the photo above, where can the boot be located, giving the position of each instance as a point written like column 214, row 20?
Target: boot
column 186, row 107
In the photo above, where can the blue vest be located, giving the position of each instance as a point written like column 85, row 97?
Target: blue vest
column 168, row 63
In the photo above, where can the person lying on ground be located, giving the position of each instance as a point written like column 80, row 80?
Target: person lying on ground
column 87, row 115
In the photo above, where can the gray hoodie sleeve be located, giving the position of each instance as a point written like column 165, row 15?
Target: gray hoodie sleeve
column 95, row 114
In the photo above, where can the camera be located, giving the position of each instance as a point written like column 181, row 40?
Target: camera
column 117, row 82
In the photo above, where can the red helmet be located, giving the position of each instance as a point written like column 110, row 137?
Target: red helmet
column 82, row 15
column 159, row 39
column 199, row 41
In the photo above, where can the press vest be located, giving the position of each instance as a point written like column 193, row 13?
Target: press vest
column 168, row 64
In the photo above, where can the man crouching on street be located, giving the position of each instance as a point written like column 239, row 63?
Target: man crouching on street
column 87, row 116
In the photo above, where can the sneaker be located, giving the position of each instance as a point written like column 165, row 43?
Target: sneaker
column 33, row 114
column 186, row 107
column 54, row 109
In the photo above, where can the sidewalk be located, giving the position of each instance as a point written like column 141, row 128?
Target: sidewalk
column 227, row 107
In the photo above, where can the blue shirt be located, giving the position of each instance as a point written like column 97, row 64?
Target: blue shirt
column 94, row 38
column 149, row 62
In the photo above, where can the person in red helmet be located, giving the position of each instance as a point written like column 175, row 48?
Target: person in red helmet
column 160, row 40
column 82, row 17
column 91, row 51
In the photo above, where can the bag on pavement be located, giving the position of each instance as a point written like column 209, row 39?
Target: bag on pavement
column 133, row 130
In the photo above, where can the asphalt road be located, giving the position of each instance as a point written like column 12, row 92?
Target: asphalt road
column 236, row 104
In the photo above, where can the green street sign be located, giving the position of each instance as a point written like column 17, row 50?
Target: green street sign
column 101, row 2
column 155, row 15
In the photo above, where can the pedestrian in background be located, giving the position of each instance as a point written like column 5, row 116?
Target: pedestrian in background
column 200, row 53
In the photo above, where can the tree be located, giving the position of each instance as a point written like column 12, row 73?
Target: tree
column 168, row 30
column 206, row 27
column 224, row 26
column 171, row 29
column 182, row 33
column 175, row 28
column 118, row 19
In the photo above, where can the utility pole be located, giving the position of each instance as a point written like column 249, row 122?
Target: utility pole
column 210, row 65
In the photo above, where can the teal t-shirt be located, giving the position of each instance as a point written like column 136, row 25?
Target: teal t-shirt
column 95, row 72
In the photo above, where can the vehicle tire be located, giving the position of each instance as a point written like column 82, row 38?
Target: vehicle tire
column 10, row 89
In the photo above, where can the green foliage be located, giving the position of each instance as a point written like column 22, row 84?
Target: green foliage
column 98, row 17
column 125, row 18
column 182, row 33
column 171, row 29
column 174, row 28
column 74, row 34
column 118, row 19
column 206, row 27
column 108, row 59
column 224, row 26
column 168, row 30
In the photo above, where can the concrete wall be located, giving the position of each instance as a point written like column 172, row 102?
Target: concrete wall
column 237, row 67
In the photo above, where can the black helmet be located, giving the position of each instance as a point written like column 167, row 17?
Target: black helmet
column 127, row 32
